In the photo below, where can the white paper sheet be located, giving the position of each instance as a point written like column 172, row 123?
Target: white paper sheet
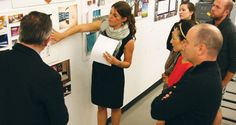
column 163, row 6
column 172, row 5
column 103, row 44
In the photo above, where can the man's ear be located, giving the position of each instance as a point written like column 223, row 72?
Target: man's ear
column 202, row 49
column 227, row 12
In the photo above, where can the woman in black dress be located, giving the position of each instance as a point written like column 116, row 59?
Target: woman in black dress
column 108, row 82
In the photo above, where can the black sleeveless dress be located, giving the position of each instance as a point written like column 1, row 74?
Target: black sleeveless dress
column 108, row 82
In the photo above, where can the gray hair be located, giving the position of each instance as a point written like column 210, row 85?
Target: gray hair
column 35, row 28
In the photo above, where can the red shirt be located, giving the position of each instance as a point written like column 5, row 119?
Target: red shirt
column 178, row 71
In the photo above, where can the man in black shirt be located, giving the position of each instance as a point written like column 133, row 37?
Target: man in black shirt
column 220, row 13
column 31, row 92
column 196, row 97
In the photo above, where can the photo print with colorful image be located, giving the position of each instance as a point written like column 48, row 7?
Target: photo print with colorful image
column 3, row 24
column 15, row 31
column 63, row 68
column 15, row 18
column 67, row 16
column 3, row 42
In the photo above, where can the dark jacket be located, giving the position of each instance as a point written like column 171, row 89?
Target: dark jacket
column 194, row 100
column 227, row 56
column 31, row 91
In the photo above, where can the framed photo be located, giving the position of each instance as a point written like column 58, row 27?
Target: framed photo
column 139, row 7
column 165, row 9
column 15, row 18
column 67, row 16
column 63, row 68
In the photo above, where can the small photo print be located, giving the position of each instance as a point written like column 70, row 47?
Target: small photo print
column 90, row 2
column 96, row 13
column 15, row 18
column 67, row 89
column 90, row 40
column 3, row 42
column 3, row 24
column 139, row 7
column 67, row 16
column 15, row 31
column 63, row 68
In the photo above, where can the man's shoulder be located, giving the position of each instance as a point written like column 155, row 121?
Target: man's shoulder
column 4, row 53
column 229, row 25
column 4, row 56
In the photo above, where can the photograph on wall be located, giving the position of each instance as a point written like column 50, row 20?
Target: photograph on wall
column 67, row 89
column 29, row 3
column 90, row 40
column 3, row 24
column 15, row 18
column 3, row 42
column 91, row 2
column 99, row 3
column 165, row 9
column 15, row 30
column 139, row 7
column 96, row 13
column 67, row 16
column 63, row 68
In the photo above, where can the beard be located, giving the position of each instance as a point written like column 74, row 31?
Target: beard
column 214, row 17
column 217, row 15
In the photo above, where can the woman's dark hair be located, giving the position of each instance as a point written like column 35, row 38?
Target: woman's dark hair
column 191, row 8
column 124, row 10
column 183, row 26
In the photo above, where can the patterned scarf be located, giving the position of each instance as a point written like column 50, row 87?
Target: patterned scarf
column 117, row 34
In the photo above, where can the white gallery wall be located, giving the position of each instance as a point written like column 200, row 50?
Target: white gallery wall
column 147, row 66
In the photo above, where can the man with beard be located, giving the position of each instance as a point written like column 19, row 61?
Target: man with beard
column 220, row 13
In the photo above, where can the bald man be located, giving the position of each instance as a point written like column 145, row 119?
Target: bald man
column 196, row 97
column 220, row 13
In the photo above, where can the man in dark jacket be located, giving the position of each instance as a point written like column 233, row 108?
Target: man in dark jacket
column 196, row 97
column 220, row 13
column 31, row 92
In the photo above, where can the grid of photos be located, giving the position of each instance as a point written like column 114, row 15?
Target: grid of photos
column 10, row 23
column 165, row 9
column 3, row 33
column 139, row 7
column 63, row 68
column 9, row 30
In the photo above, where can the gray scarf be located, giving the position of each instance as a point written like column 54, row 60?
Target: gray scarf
column 117, row 34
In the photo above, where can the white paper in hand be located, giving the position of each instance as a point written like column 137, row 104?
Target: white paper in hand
column 103, row 44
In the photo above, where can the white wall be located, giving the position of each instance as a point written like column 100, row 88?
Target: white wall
column 148, row 61
column 148, row 64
